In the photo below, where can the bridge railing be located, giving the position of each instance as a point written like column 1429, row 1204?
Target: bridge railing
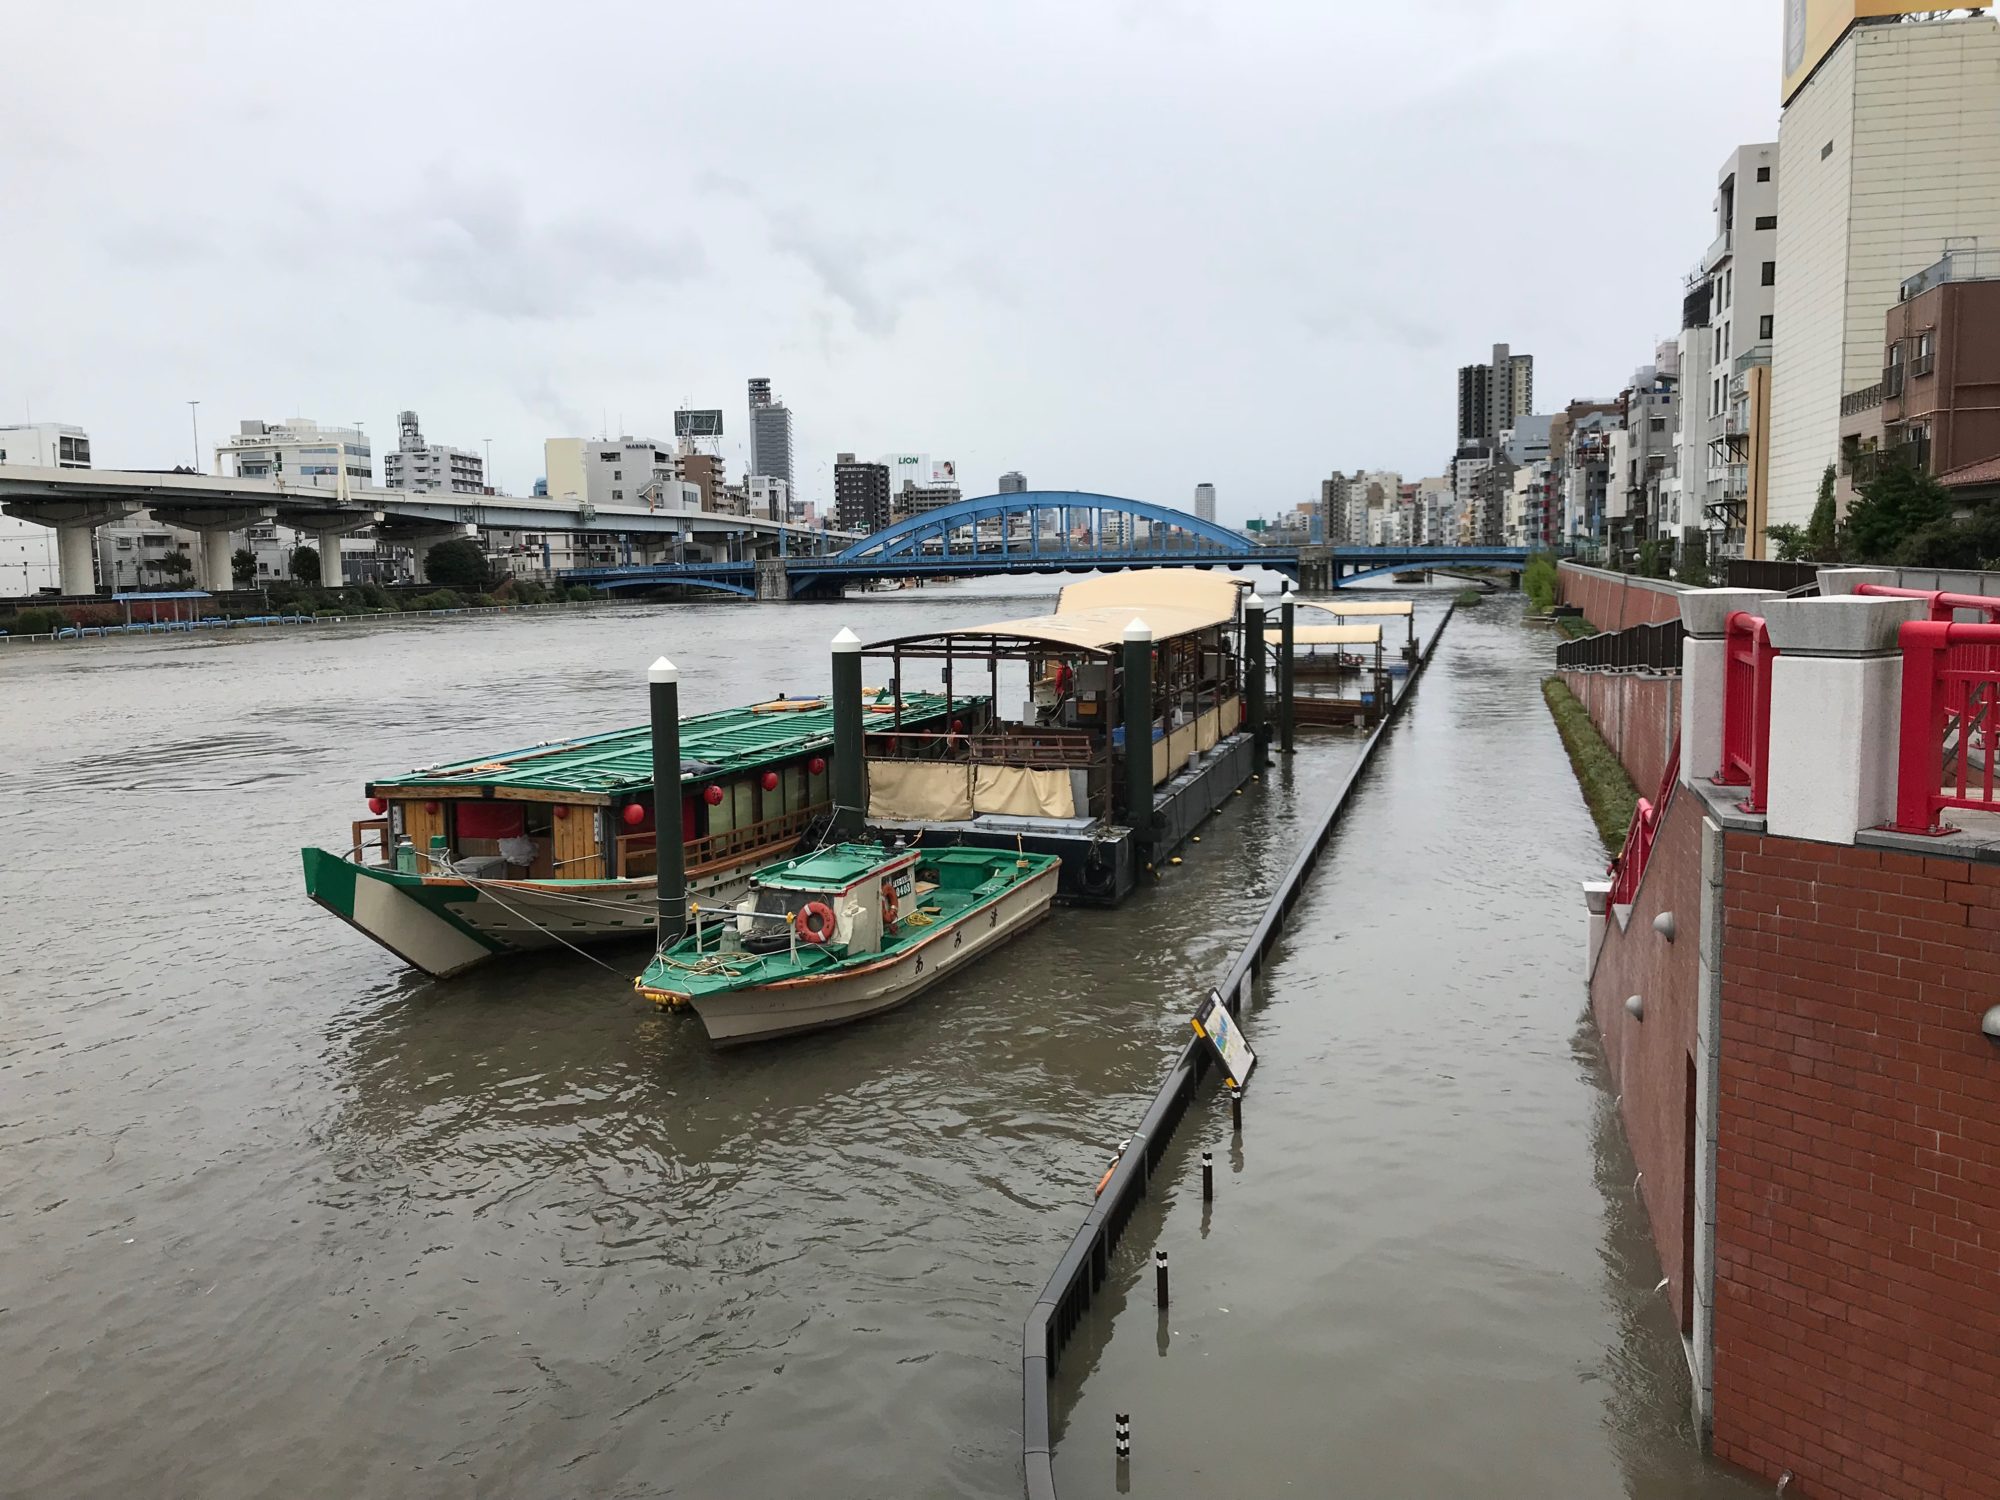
column 1950, row 732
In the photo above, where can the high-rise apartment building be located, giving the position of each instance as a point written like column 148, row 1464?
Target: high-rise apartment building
column 1491, row 396
column 1887, row 157
column 861, row 495
column 430, row 468
column 1204, row 502
column 770, row 433
column 1013, row 482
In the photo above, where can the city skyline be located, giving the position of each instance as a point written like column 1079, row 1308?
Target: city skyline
column 475, row 287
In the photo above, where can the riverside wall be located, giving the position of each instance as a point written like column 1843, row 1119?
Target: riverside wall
column 1639, row 715
column 1614, row 601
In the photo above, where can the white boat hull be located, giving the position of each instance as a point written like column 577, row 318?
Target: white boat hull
column 814, row 1002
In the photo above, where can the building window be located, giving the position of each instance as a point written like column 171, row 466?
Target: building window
column 1659, row 424
column 1763, row 174
column 1826, row 151
column 1926, row 360
column 1770, row 273
column 617, row 494
column 1764, row 327
column 617, row 473
column 1767, row 221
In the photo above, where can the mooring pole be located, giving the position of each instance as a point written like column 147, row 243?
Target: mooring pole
column 1160, row 1276
column 1256, row 661
column 1236, row 1110
column 1208, row 1176
column 1137, row 703
column 670, row 855
column 1286, row 610
column 849, row 772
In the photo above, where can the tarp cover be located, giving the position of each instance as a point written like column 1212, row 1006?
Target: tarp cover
column 931, row 791
column 1358, row 608
column 1023, row 792
column 1329, row 635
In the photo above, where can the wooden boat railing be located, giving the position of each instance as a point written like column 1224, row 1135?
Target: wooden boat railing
column 357, row 847
column 1041, row 750
column 638, row 853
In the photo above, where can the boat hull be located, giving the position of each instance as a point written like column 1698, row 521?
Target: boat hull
column 815, row 1002
column 446, row 925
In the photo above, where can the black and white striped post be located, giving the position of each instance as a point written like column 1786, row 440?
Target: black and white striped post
column 1208, row 1176
column 1121, row 1432
column 1160, row 1276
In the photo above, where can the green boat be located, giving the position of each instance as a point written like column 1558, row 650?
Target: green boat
column 556, row 845
column 846, row 932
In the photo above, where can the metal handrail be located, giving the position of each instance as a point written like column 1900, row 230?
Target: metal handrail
column 1950, row 718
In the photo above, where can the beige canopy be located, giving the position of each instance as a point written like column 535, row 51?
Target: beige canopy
column 1328, row 635
column 1372, row 607
column 1100, row 630
column 1181, row 588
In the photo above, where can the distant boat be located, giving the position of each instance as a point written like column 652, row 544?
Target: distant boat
column 556, row 845
column 847, row 932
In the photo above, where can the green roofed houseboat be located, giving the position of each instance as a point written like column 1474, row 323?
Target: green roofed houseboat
column 555, row 845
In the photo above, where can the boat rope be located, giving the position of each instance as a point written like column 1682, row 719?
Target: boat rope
column 482, row 887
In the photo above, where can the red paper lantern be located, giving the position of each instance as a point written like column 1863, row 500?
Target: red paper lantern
column 562, row 811
column 958, row 726
column 430, row 807
column 378, row 804
column 817, row 764
column 634, row 815
column 713, row 796
column 770, row 781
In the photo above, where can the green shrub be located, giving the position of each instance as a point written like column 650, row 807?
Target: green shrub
column 1606, row 788
column 1538, row 581
column 578, row 594
column 37, row 622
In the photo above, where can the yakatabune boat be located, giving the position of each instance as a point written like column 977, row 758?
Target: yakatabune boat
column 846, row 932
column 556, row 844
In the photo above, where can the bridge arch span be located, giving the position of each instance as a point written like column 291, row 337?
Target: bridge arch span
column 915, row 535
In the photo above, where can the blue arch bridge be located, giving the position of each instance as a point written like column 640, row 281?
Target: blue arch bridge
column 1035, row 531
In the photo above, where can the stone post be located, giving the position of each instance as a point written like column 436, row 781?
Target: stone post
column 1705, row 674
column 1836, row 713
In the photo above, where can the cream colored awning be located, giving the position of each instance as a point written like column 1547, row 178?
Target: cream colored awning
column 1328, row 635
column 1359, row 610
column 1181, row 588
column 1101, row 629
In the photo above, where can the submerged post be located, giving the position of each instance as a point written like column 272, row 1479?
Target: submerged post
column 1256, row 658
column 849, row 773
column 670, row 855
column 1137, row 703
column 1286, row 671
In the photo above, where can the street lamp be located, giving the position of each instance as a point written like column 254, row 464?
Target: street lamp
column 194, row 420
column 488, row 472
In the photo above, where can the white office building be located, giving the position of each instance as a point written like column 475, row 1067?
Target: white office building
column 29, row 557
column 1888, row 152
column 618, row 471
column 299, row 451
column 430, row 468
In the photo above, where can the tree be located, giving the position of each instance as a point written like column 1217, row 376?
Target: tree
column 1972, row 544
column 243, row 567
column 1694, row 562
column 1900, row 501
column 305, row 564
column 175, row 566
column 458, row 564
column 1819, row 539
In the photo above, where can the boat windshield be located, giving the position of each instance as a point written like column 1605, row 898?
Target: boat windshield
column 761, row 918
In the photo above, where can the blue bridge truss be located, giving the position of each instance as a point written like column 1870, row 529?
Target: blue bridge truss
column 1037, row 531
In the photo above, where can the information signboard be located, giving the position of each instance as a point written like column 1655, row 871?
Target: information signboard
column 1225, row 1035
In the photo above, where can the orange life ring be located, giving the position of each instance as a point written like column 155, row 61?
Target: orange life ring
column 816, row 922
column 889, row 907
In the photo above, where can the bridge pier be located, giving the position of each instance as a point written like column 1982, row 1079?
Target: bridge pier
column 75, row 523
column 774, row 581
column 326, row 532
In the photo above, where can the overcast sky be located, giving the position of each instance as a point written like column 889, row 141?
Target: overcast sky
column 1121, row 245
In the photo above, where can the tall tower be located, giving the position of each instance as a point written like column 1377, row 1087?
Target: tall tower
column 1204, row 502
column 770, row 433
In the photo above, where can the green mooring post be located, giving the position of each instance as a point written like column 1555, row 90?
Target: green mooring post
column 1136, row 701
column 1287, row 669
column 664, row 685
column 1256, row 657
column 849, row 772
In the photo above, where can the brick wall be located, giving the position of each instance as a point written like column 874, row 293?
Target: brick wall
column 1639, row 718
column 1649, row 1059
column 1612, row 601
column 1857, row 1325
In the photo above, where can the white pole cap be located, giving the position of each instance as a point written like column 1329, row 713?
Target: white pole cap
column 847, row 640
column 663, row 671
column 1138, row 630
column 1255, row 601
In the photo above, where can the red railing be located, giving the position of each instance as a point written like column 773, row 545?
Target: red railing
column 1746, row 710
column 1951, row 721
column 1629, row 868
column 1942, row 605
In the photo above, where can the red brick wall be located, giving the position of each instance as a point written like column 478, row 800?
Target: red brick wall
column 1612, row 601
column 1857, row 1325
column 1639, row 718
column 1649, row 1058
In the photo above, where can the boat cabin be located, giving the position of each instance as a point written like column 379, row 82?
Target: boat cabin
column 752, row 780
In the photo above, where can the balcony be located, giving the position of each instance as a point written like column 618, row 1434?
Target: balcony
column 1717, row 252
column 1892, row 383
column 1856, row 402
column 1923, row 364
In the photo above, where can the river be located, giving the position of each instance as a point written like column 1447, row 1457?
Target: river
column 278, row 1216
